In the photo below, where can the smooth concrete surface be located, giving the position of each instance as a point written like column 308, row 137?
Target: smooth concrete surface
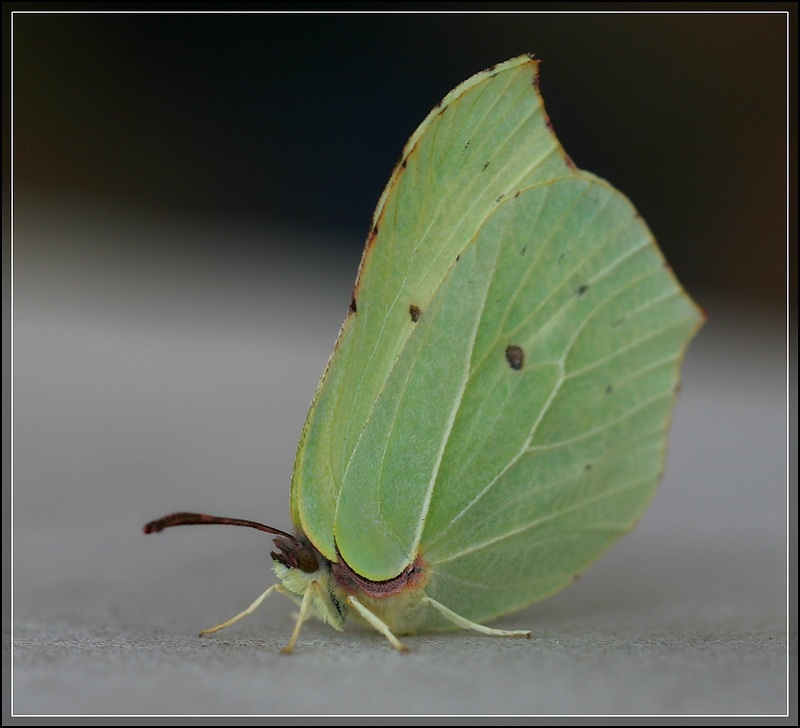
column 153, row 372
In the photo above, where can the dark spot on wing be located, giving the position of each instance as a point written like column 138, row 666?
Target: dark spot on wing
column 561, row 257
column 588, row 466
column 618, row 322
column 465, row 146
column 524, row 248
column 485, row 166
column 500, row 198
column 458, row 257
column 569, row 161
column 403, row 164
column 515, row 356
column 582, row 288
column 609, row 389
column 415, row 312
column 371, row 238
column 353, row 306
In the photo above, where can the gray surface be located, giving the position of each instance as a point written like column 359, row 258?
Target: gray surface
column 146, row 383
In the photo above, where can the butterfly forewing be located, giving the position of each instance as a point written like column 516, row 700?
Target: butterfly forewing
column 487, row 138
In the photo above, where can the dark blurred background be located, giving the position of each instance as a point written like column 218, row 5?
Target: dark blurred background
column 298, row 119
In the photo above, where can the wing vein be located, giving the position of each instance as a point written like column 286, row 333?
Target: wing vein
column 545, row 519
column 466, row 376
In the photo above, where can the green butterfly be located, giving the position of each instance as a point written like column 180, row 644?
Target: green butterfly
column 495, row 411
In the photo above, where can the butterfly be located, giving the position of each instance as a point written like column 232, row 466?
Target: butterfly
column 495, row 411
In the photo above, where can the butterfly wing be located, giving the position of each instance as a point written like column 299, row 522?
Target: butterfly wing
column 499, row 398
column 485, row 140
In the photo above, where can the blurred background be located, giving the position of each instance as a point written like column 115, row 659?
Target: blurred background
column 191, row 195
column 298, row 119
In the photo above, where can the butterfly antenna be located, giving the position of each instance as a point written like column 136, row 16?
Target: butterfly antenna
column 196, row 519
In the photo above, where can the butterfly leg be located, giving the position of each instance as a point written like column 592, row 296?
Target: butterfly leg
column 376, row 623
column 305, row 607
column 466, row 624
column 252, row 608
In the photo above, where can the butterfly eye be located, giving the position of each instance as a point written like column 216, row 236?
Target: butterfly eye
column 307, row 560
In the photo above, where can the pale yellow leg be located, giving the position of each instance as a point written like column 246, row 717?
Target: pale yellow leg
column 376, row 623
column 252, row 608
column 466, row 624
column 305, row 605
